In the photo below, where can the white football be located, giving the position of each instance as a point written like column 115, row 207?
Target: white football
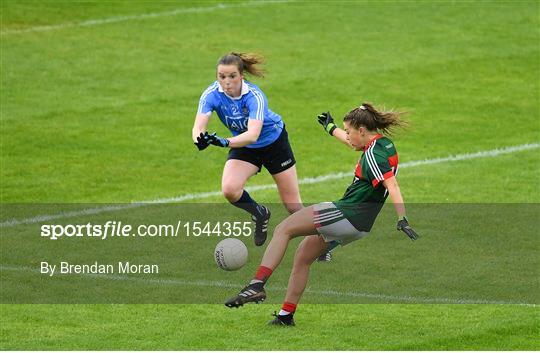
column 231, row 254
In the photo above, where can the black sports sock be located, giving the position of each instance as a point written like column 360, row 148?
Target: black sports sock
column 248, row 204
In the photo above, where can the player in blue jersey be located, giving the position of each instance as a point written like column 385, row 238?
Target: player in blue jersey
column 259, row 137
column 340, row 222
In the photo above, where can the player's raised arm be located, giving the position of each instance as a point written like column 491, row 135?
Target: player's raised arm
column 326, row 120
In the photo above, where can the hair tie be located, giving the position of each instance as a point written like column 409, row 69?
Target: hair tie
column 362, row 107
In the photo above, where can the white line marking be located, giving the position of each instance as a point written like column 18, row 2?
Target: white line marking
column 98, row 22
column 224, row 284
column 304, row 181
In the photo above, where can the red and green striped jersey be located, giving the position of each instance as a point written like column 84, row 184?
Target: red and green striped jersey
column 365, row 197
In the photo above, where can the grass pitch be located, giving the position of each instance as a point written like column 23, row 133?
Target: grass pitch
column 97, row 105
column 319, row 327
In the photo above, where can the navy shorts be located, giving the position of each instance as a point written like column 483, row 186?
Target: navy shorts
column 276, row 157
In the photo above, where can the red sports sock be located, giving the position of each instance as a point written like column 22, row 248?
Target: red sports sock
column 290, row 307
column 263, row 273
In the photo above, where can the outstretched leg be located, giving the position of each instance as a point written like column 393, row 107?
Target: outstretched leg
column 297, row 224
column 309, row 249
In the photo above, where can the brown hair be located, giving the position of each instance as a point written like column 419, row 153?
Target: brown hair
column 244, row 61
column 372, row 119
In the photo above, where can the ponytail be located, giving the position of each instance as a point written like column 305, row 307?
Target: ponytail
column 244, row 62
column 372, row 119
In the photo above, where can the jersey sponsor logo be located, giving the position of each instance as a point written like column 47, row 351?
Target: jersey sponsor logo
column 237, row 123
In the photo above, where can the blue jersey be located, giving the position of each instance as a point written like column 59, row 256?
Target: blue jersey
column 235, row 113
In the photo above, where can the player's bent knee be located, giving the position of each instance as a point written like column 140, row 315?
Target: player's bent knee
column 282, row 230
column 231, row 192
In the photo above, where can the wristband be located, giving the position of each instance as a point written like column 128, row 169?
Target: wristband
column 330, row 128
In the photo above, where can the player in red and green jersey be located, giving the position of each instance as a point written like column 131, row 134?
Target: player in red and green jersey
column 340, row 222
column 366, row 195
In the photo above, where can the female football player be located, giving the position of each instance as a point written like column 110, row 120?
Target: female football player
column 259, row 138
column 339, row 222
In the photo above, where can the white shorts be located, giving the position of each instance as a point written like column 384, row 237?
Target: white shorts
column 332, row 225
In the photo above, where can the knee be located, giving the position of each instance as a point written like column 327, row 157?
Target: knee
column 282, row 230
column 231, row 192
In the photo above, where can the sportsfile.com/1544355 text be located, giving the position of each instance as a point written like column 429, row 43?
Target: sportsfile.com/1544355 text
column 115, row 229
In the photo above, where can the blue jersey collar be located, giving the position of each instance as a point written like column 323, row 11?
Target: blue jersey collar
column 245, row 90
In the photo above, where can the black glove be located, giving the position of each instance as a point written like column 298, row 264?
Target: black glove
column 326, row 120
column 403, row 225
column 202, row 141
column 215, row 140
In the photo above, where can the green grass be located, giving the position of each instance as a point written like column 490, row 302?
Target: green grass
column 321, row 327
column 103, row 114
column 109, row 108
